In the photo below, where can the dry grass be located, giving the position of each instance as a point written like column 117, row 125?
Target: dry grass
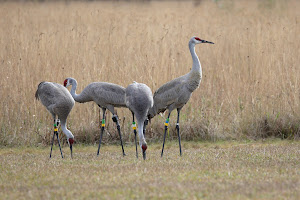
column 251, row 75
column 228, row 170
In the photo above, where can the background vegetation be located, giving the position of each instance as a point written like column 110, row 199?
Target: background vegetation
column 251, row 76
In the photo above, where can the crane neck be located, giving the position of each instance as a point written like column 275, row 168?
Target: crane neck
column 196, row 62
column 73, row 90
column 66, row 131
column 140, row 124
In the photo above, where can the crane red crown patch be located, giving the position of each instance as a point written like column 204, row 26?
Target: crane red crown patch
column 65, row 82
column 196, row 38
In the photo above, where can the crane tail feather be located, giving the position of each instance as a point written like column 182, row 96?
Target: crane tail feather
column 37, row 91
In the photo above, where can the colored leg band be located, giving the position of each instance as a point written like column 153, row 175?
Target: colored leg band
column 55, row 129
column 167, row 122
column 103, row 123
column 133, row 125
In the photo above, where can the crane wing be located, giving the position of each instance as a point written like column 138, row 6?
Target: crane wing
column 169, row 92
column 53, row 93
column 107, row 93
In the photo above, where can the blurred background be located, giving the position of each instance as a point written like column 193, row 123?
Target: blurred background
column 251, row 75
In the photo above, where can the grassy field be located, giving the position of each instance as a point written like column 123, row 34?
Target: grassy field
column 250, row 85
column 223, row 170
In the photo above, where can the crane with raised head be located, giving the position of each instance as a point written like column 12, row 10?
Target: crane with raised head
column 59, row 102
column 139, row 100
column 176, row 93
column 105, row 95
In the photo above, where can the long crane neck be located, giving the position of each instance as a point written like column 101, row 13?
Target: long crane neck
column 140, row 124
column 73, row 90
column 195, row 75
column 66, row 131
column 196, row 62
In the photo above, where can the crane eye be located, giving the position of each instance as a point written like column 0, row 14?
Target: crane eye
column 196, row 38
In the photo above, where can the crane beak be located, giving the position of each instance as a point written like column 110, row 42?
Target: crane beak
column 71, row 151
column 204, row 41
column 144, row 148
column 71, row 141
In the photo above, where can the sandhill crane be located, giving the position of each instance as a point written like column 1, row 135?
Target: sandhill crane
column 139, row 100
column 59, row 102
column 105, row 95
column 176, row 93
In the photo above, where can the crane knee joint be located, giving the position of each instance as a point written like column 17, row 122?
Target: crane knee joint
column 115, row 118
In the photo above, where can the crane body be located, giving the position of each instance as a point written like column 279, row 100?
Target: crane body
column 59, row 102
column 105, row 95
column 139, row 100
column 176, row 93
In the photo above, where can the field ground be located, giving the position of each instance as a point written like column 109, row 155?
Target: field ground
column 222, row 170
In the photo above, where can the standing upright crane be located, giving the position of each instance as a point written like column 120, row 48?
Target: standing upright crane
column 59, row 102
column 139, row 100
column 176, row 93
column 105, row 95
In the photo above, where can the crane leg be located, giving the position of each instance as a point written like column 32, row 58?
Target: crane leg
column 166, row 128
column 59, row 145
column 52, row 144
column 134, row 131
column 116, row 120
column 102, row 130
column 56, row 123
column 177, row 127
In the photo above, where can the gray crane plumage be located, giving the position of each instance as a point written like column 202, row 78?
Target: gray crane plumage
column 176, row 93
column 59, row 102
column 139, row 100
column 105, row 95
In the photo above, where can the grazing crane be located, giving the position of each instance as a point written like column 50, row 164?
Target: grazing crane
column 59, row 102
column 176, row 93
column 139, row 100
column 105, row 95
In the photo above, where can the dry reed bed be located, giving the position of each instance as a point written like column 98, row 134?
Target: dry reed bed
column 250, row 84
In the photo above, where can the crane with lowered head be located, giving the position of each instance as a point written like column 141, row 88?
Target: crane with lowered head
column 59, row 102
column 139, row 100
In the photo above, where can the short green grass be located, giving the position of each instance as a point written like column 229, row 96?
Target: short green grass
column 221, row 170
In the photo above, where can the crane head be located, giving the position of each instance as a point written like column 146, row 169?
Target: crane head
column 66, row 83
column 197, row 40
column 144, row 148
